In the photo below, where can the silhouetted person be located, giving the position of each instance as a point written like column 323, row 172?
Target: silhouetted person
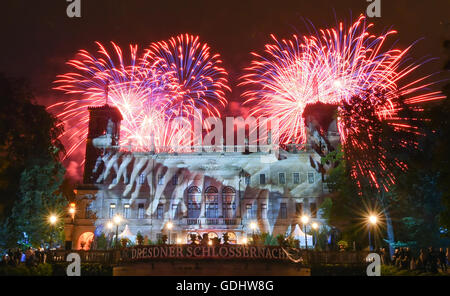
column 395, row 257
column 423, row 259
column 442, row 260
column 433, row 260
column 385, row 257
column 406, row 262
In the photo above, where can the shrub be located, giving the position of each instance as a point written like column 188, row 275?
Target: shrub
column 139, row 238
column 124, row 242
column 281, row 240
column 23, row 270
column 193, row 238
column 225, row 238
column 102, row 242
column 164, row 238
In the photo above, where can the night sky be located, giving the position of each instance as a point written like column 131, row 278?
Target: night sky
column 38, row 37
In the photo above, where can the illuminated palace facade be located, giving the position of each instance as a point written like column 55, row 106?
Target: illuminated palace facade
column 197, row 192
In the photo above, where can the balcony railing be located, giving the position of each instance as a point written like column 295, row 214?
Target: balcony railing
column 210, row 221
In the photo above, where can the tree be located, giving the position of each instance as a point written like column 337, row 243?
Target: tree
column 40, row 197
column 377, row 149
column 31, row 176
column 342, row 207
column 139, row 238
column 102, row 242
column 440, row 125
column 28, row 134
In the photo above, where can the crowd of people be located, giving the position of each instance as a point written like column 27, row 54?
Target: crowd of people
column 428, row 259
column 29, row 257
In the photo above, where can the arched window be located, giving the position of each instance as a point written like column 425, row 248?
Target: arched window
column 228, row 201
column 194, row 189
column 212, row 203
column 194, row 201
column 228, row 189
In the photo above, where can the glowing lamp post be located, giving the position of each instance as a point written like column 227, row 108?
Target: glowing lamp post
column 52, row 219
column 110, row 226
column 253, row 226
column 169, row 227
column 72, row 211
column 372, row 222
column 305, row 220
column 117, row 219
column 315, row 226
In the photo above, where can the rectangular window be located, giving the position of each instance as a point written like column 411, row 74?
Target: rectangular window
column 247, row 180
column 160, row 180
column 141, row 211
column 283, row 211
column 175, row 180
column 228, row 209
column 298, row 209
column 160, row 212
column 248, row 211
column 282, row 178
column 296, row 177
column 262, row 179
column 159, row 236
column 141, row 179
column 194, row 206
column 310, row 178
column 212, row 206
column 313, row 209
column 126, row 211
column 174, row 211
column 88, row 212
column 263, row 211
column 112, row 210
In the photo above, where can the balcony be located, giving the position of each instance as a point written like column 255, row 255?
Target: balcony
column 210, row 221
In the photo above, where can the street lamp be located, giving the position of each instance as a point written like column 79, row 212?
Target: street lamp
column 244, row 240
column 110, row 226
column 169, row 227
column 52, row 219
column 315, row 226
column 305, row 220
column 117, row 219
column 178, row 240
column 372, row 222
column 72, row 210
column 253, row 226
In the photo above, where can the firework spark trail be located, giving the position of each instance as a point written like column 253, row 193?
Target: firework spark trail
column 332, row 67
column 199, row 81
column 150, row 92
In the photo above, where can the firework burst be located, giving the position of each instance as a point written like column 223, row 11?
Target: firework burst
column 333, row 67
column 330, row 68
column 199, row 81
column 150, row 92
